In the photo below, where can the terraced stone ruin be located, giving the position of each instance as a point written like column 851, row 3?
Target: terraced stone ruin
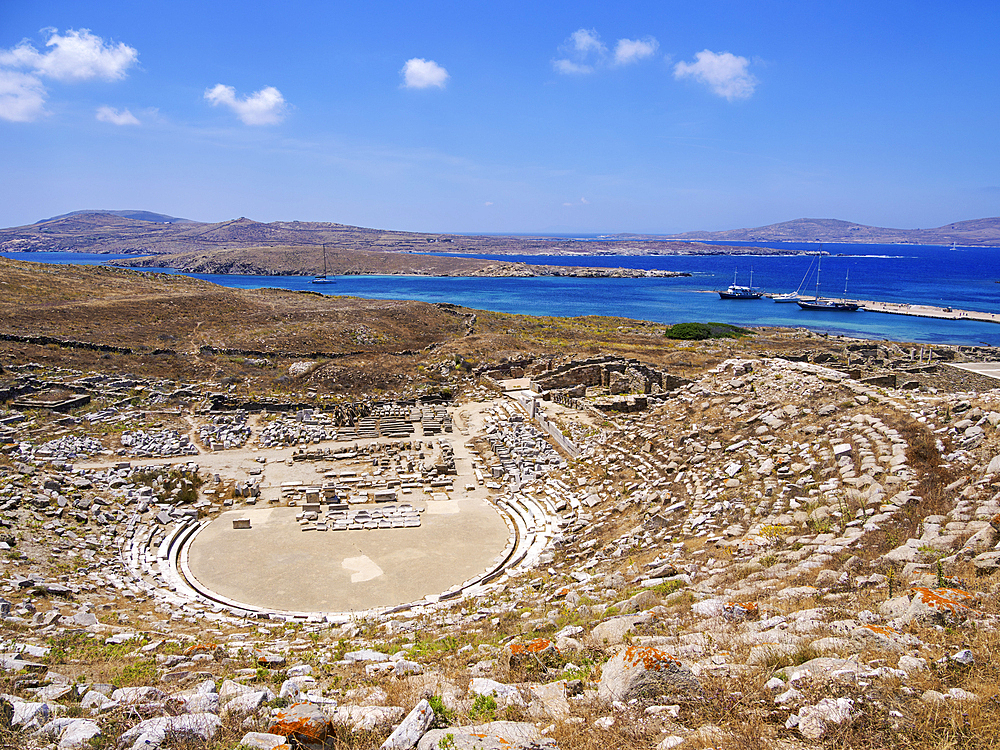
column 771, row 551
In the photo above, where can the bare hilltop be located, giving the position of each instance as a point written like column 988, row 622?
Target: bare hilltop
column 972, row 232
column 245, row 246
column 111, row 233
column 297, row 248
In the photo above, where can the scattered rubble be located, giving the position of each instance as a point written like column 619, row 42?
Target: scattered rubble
column 774, row 540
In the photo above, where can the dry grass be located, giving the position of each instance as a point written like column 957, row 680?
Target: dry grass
column 629, row 730
column 740, row 716
column 923, row 454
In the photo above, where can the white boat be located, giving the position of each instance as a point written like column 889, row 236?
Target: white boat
column 735, row 291
column 788, row 297
column 796, row 295
column 323, row 279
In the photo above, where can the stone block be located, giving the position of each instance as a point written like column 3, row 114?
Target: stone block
column 987, row 563
column 263, row 741
column 412, row 729
column 303, row 722
column 497, row 735
column 644, row 673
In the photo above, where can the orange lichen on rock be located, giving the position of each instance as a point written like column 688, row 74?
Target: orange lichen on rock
column 302, row 720
column 741, row 610
column 883, row 630
column 200, row 648
column 651, row 658
column 536, row 646
column 955, row 601
column 502, row 741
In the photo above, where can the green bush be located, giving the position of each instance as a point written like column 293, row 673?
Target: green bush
column 484, row 707
column 443, row 716
column 702, row 331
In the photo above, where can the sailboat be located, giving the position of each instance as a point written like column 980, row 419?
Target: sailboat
column 323, row 279
column 736, row 291
column 793, row 296
column 829, row 304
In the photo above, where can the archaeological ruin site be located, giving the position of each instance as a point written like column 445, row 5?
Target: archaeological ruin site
column 517, row 535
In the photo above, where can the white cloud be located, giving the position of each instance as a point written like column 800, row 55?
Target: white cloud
column 22, row 96
column 582, row 51
column 74, row 56
column 264, row 107
column 112, row 115
column 724, row 73
column 423, row 74
column 632, row 50
column 488, row 203
column 586, row 41
column 23, row 55
column 568, row 67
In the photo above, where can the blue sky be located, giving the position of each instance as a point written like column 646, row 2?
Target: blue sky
column 534, row 116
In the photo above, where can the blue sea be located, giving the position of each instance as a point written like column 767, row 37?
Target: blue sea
column 963, row 278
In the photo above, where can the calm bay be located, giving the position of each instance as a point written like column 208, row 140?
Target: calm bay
column 963, row 278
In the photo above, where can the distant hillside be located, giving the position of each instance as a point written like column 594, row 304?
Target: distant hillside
column 111, row 233
column 299, row 261
column 973, row 232
column 138, row 215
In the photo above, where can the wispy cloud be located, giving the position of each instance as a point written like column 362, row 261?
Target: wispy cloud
column 629, row 51
column 264, row 107
column 70, row 57
column 586, row 41
column 419, row 73
column 584, row 52
column 581, row 53
column 116, row 117
column 568, row 67
column 22, row 96
column 724, row 73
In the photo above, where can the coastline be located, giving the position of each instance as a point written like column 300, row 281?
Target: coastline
column 928, row 311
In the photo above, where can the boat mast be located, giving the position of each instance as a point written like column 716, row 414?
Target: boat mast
column 805, row 278
column 819, row 265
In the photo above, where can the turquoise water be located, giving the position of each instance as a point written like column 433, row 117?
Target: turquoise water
column 964, row 278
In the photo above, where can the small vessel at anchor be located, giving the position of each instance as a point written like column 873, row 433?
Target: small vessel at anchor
column 794, row 296
column 323, row 279
column 835, row 305
column 735, row 291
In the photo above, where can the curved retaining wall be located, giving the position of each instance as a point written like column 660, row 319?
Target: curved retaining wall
column 159, row 566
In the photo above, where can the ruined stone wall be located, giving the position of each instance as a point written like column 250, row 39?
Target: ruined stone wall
column 566, row 377
column 617, row 375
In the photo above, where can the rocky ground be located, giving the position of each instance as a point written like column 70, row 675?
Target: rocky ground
column 775, row 554
column 293, row 261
